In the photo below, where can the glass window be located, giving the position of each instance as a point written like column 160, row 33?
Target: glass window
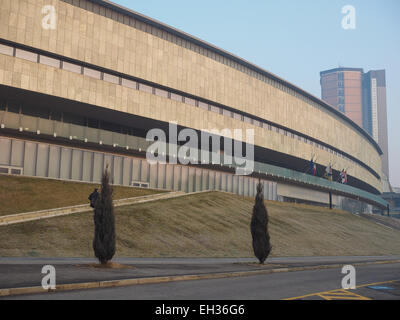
column 26, row 55
column 256, row 123
column 71, row 67
column 203, row 105
column 92, row 123
column 49, row 61
column 176, row 97
column 145, row 88
column 6, row 50
column 129, row 83
column 227, row 113
column 96, row 8
column 161, row 93
column 190, row 101
column 11, row 107
column 54, row 115
column 110, row 78
column 92, row 73
column 35, row 111
column 110, row 127
column 3, row 170
column 74, row 119
column 214, row 109
column 248, row 120
column 15, row 171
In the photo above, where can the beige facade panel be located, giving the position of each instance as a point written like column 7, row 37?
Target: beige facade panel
column 84, row 88
column 291, row 191
column 109, row 44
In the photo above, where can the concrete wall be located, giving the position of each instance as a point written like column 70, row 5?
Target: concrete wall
column 46, row 160
column 59, row 162
column 110, row 44
column 297, row 192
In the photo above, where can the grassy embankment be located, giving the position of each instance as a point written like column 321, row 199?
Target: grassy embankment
column 24, row 194
column 210, row 224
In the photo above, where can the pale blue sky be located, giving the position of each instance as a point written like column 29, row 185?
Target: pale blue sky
column 297, row 39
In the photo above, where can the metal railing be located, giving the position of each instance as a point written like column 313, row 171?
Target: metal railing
column 71, row 131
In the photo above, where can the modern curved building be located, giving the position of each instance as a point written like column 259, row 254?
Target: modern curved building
column 83, row 81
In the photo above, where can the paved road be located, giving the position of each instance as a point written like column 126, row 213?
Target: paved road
column 302, row 284
column 26, row 272
column 321, row 259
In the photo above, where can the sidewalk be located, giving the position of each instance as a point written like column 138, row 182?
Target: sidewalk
column 26, row 272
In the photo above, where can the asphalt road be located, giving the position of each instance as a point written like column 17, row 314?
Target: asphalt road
column 316, row 259
column 302, row 284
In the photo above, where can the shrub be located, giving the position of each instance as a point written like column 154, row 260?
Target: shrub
column 259, row 227
column 104, row 222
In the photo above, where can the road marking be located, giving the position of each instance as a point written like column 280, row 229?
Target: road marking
column 341, row 293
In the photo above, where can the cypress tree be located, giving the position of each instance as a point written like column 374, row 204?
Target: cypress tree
column 259, row 227
column 104, row 222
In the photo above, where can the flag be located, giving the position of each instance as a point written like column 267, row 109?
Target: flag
column 342, row 176
column 328, row 172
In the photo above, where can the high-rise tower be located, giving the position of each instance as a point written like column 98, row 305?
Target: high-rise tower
column 362, row 97
column 342, row 88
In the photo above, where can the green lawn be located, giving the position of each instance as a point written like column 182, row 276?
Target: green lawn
column 211, row 224
column 23, row 194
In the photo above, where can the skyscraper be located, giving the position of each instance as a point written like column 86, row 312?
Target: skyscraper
column 374, row 111
column 342, row 88
column 362, row 97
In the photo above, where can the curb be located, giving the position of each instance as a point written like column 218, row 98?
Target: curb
column 138, row 281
